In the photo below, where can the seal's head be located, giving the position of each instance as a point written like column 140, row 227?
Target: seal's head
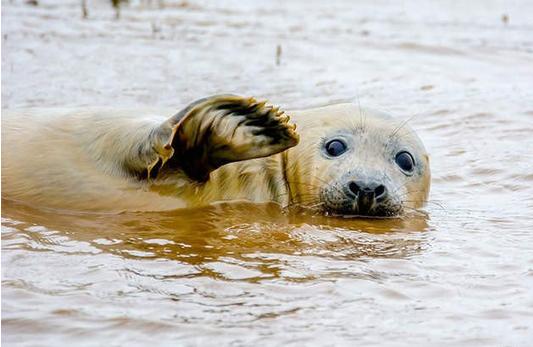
column 353, row 161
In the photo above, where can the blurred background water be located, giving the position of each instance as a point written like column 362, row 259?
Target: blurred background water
column 459, row 274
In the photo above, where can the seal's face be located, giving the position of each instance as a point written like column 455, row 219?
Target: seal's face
column 352, row 162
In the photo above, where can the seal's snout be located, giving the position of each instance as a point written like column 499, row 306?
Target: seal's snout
column 366, row 194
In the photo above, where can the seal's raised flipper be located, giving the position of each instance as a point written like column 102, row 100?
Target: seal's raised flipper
column 219, row 130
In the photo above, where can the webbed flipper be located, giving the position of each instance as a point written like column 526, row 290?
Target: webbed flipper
column 218, row 130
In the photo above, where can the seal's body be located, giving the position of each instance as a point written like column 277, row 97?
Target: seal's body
column 217, row 149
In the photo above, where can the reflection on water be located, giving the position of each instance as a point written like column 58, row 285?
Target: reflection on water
column 459, row 274
column 187, row 256
column 276, row 261
column 205, row 235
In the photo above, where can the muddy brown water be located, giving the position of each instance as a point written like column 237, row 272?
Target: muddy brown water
column 458, row 273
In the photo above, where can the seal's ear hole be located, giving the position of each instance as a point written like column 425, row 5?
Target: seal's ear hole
column 405, row 161
column 335, row 147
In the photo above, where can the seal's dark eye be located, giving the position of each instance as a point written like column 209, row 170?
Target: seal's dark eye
column 335, row 148
column 405, row 161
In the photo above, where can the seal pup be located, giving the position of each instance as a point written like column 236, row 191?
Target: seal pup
column 349, row 160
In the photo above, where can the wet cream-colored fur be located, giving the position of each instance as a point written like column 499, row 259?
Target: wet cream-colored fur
column 74, row 160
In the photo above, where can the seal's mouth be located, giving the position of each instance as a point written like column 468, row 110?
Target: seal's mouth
column 360, row 200
column 354, row 211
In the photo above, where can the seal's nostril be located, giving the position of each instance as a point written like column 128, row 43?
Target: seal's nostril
column 380, row 191
column 354, row 188
column 371, row 190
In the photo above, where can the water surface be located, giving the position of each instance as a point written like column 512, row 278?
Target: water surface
column 458, row 273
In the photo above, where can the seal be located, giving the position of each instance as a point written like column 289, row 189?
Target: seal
column 343, row 160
